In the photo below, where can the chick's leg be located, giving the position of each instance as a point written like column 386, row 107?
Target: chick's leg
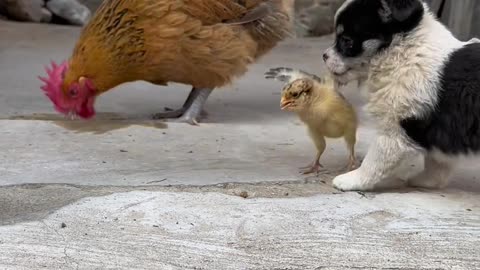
column 350, row 140
column 191, row 109
column 315, row 167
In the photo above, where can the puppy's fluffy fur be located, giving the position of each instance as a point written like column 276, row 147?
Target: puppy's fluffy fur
column 423, row 85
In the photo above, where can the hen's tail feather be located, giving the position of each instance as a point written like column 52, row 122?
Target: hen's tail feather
column 255, row 14
column 273, row 27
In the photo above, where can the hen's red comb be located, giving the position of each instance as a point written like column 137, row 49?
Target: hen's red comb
column 53, row 85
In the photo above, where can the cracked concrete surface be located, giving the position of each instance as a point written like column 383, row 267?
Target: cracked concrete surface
column 172, row 230
column 125, row 192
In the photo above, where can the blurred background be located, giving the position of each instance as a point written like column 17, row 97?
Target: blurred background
column 313, row 17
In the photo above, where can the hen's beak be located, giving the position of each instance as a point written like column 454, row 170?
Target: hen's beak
column 286, row 103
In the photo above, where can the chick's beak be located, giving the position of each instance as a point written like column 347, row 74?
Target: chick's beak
column 285, row 103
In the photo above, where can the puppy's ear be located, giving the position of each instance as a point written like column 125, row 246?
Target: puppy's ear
column 399, row 10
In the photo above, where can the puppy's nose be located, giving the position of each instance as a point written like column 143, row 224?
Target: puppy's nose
column 325, row 57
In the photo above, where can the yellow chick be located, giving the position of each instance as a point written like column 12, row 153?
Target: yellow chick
column 321, row 107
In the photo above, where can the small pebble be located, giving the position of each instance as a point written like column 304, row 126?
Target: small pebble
column 243, row 194
column 63, row 225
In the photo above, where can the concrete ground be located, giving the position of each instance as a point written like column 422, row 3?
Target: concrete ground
column 125, row 192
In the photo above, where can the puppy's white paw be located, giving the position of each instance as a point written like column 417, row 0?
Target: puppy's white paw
column 351, row 181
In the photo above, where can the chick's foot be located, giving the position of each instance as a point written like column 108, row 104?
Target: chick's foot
column 352, row 164
column 316, row 168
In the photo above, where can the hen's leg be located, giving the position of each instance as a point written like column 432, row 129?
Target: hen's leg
column 195, row 107
column 191, row 109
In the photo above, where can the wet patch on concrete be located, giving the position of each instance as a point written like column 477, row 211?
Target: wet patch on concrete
column 101, row 124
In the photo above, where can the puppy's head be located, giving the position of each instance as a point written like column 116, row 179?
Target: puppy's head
column 365, row 27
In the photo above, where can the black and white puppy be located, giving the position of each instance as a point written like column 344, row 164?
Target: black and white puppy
column 423, row 88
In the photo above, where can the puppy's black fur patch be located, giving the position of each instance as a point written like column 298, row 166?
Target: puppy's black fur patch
column 362, row 21
column 454, row 125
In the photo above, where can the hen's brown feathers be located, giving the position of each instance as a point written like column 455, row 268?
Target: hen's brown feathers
column 197, row 42
column 212, row 12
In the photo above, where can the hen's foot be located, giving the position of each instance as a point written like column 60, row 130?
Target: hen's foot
column 169, row 114
column 192, row 109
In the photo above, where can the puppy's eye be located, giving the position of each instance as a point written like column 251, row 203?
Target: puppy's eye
column 346, row 42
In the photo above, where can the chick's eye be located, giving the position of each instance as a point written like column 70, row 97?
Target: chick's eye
column 295, row 95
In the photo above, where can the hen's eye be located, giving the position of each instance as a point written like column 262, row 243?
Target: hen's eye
column 73, row 92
